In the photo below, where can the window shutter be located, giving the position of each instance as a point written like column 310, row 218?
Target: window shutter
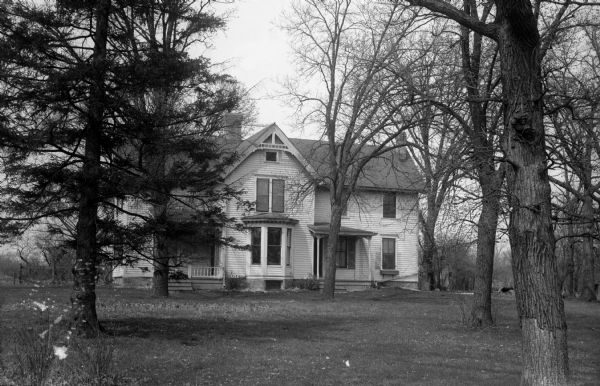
column 278, row 196
column 262, row 195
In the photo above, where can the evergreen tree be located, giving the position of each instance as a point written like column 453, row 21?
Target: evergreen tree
column 174, row 161
column 89, row 109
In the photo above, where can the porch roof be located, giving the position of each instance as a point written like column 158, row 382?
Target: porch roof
column 322, row 229
column 273, row 218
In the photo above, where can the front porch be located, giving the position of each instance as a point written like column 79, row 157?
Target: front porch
column 353, row 257
column 201, row 271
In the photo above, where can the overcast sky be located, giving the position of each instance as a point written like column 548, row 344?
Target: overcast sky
column 256, row 51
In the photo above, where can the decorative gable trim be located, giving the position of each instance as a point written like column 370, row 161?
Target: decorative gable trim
column 257, row 142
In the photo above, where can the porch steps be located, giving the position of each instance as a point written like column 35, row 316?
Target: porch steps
column 181, row 285
column 206, row 283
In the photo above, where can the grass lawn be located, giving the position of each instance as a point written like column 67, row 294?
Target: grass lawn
column 375, row 337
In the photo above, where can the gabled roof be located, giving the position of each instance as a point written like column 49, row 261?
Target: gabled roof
column 256, row 142
column 393, row 171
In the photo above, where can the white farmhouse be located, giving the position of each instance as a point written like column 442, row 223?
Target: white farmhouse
column 287, row 231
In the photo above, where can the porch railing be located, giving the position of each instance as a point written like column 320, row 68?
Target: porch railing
column 212, row 272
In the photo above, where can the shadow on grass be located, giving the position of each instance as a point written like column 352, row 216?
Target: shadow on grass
column 188, row 331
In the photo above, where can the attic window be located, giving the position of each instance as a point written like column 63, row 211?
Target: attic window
column 269, row 139
column 277, row 140
column 271, row 156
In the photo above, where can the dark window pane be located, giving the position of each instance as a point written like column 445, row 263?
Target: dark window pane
column 262, row 195
column 278, row 196
column 274, row 246
column 340, row 253
column 255, row 245
column 271, row 156
column 351, row 253
column 388, row 253
column 269, row 139
column 389, row 205
column 278, row 141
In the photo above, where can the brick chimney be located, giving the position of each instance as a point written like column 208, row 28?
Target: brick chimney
column 232, row 127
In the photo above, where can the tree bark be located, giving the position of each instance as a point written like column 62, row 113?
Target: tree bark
column 585, row 284
column 330, row 262
column 569, row 287
column 481, row 313
column 83, row 296
column 427, row 272
column 160, row 253
column 539, row 301
column 160, row 278
column 490, row 180
column 427, row 275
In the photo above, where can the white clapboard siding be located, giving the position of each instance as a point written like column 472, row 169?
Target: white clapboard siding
column 142, row 268
column 365, row 212
column 299, row 207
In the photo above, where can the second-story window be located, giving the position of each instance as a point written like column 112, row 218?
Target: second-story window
column 270, row 196
column 389, row 205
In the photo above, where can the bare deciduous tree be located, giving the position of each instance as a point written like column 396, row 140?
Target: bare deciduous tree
column 521, row 50
column 575, row 140
column 352, row 55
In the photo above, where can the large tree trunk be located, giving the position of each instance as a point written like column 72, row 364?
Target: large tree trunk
column 427, row 277
column 160, row 279
column 585, row 284
column 330, row 262
column 539, row 302
column 490, row 180
column 83, row 297
column 568, row 284
column 427, row 272
column 160, row 252
column 481, row 313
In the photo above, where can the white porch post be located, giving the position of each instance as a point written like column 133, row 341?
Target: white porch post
column 284, row 257
column 371, row 275
column 264, row 243
column 189, row 270
column 318, row 275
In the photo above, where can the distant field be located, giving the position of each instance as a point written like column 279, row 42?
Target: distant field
column 375, row 337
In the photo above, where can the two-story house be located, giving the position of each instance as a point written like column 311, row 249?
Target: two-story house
column 288, row 229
